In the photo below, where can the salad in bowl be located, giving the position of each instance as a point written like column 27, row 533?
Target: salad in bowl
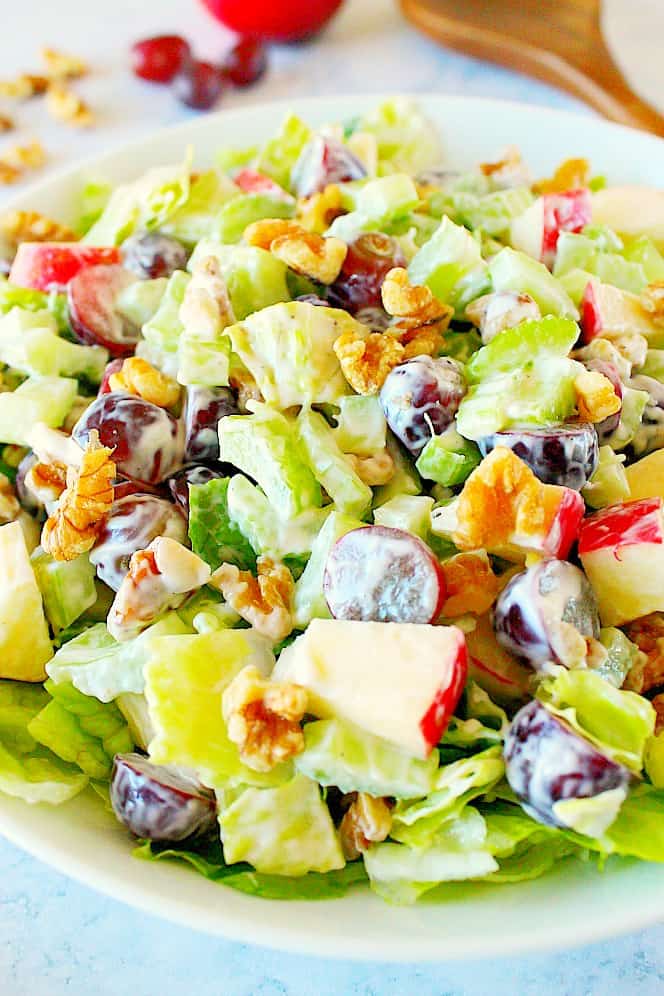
column 332, row 489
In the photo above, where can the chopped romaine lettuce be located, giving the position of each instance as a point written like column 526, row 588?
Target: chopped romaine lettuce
column 38, row 399
column 267, row 534
column 140, row 301
column 511, row 270
column 331, row 468
column 285, row 830
column 214, row 536
column 279, row 155
column 450, row 255
column 209, row 194
column 254, row 277
column 379, row 204
column 234, row 217
column 29, row 343
column 162, row 332
column 309, row 598
column 288, row 350
column 407, row 140
column 361, row 426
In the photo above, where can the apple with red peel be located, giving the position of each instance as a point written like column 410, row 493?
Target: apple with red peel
column 565, row 525
column 254, row 182
column 622, row 552
column 325, row 160
column 547, row 762
column 159, row 802
column 47, row 266
column 538, row 229
column 498, row 672
column 609, row 311
column 281, row 22
column 399, row 681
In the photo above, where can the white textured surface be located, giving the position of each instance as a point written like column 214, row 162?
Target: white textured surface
column 56, row 937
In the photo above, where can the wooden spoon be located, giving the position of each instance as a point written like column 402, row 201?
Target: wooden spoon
column 558, row 41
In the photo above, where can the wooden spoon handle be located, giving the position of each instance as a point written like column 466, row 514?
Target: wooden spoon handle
column 557, row 41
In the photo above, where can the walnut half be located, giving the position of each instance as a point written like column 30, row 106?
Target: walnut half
column 367, row 821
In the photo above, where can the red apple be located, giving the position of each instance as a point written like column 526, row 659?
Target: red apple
column 538, row 229
column 608, row 311
column 253, row 182
column 506, row 680
column 622, row 552
column 281, row 22
column 49, row 266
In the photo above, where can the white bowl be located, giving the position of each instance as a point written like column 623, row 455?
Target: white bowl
column 575, row 904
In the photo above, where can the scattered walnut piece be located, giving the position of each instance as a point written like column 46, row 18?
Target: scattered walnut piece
column 30, row 156
column 374, row 470
column 510, row 171
column 596, row 398
column 652, row 300
column 61, row 66
column 304, row 252
column 503, row 498
column 413, row 301
column 368, row 820
column 648, row 634
column 569, row 175
column 8, row 174
column 30, row 226
column 46, row 481
column 316, row 213
column 470, row 583
column 24, row 86
column 83, row 506
column 265, row 602
column 263, row 718
column 658, row 703
column 423, row 340
column 9, row 504
column 6, row 123
column 139, row 377
column 65, row 105
column 365, row 363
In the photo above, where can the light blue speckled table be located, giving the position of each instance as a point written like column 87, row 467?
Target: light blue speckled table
column 58, row 938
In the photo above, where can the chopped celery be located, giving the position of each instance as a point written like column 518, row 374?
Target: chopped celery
column 361, row 426
column 309, row 598
column 234, row 217
column 406, row 480
column 644, row 251
column 38, row 399
column 608, row 485
column 379, row 204
column 67, row 587
column 448, row 459
column 264, row 446
column 450, row 255
column 29, row 342
column 254, row 277
column 162, row 332
column 209, row 194
column 409, row 512
column 331, row 468
column 279, row 155
column 633, row 406
column 140, row 301
column 511, row 270
column 520, row 346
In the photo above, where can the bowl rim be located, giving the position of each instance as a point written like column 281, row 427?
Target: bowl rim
column 281, row 934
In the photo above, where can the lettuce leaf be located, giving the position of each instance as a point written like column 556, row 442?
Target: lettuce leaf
column 407, row 140
column 331, row 468
column 234, row 217
column 251, row 511
column 213, row 535
column 279, row 155
column 207, row 859
column 28, row 770
column 161, row 334
column 254, row 277
column 81, row 730
column 450, row 256
column 618, row 723
column 209, row 194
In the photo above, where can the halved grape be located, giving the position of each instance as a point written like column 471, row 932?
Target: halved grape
column 325, row 160
column 547, row 761
column 159, row 802
column 146, row 440
column 420, row 399
column 370, row 257
column 134, row 522
column 559, row 454
column 381, row 574
column 203, row 410
column 546, row 612
column 94, row 318
column 150, row 255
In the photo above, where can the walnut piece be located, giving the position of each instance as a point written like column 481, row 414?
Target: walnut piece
column 265, row 602
column 139, row 377
column 8, row 174
column 402, row 299
column 6, row 123
column 316, row 213
column 470, row 583
column 648, row 634
column 66, row 106
column 596, row 398
column 652, row 300
column 367, row 821
column 374, row 470
column 61, row 66
column 46, row 481
column 24, row 86
column 510, row 171
column 569, row 175
column 159, row 578
column 303, row 251
column 84, row 505
column 263, row 718
column 30, row 226
column 365, row 363
column 658, row 703
column 9, row 504
column 206, row 307
column 421, row 340
column 503, row 498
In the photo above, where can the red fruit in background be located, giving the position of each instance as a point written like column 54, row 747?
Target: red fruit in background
column 273, row 21
column 51, row 265
column 245, row 62
column 198, row 85
column 158, row 59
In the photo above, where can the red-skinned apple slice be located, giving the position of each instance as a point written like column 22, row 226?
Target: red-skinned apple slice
column 538, row 229
column 608, row 311
column 254, row 182
column 622, row 552
column 399, row 681
column 49, row 266
column 565, row 526
column 506, row 680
